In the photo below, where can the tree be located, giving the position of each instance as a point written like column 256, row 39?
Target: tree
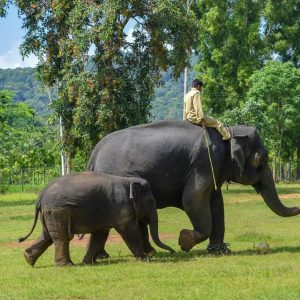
column 24, row 141
column 282, row 29
column 231, row 49
column 273, row 106
column 118, row 91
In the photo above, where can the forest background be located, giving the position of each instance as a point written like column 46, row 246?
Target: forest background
column 95, row 80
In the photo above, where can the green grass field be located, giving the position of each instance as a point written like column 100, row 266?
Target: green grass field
column 193, row 275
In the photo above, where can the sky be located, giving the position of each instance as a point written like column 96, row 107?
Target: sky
column 11, row 36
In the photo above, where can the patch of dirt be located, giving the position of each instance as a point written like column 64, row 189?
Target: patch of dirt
column 116, row 238
column 289, row 196
column 112, row 239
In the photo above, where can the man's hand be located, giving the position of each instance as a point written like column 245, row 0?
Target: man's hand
column 203, row 123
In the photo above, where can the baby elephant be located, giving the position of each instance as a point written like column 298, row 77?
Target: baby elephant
column 92, row 202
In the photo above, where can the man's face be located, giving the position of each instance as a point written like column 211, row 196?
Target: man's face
column 199, row 87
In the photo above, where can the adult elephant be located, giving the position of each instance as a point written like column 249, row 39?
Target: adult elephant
column 173, row 157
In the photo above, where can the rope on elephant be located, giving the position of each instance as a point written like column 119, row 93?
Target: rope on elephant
column 209, row 156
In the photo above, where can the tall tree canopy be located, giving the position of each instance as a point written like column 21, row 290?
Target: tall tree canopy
column 282, row 29
column 273, row 106
column 230, row 49
column 117, row 91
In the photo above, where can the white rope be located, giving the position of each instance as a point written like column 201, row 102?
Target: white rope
column 211, row 164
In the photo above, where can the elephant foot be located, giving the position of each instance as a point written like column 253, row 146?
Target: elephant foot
column 151, row 253
column 186, row 240
column 102, row 255
column 65, row 264
column 143, row 258
column 31, row 261
column 219, row 249
column 89, row 260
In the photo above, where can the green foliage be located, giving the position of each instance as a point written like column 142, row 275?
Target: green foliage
column 230, row 49
column 282, row 29
column 273, row 107
column 276, row 90
column 118, row 92
column 24, row 141
column 3, row 7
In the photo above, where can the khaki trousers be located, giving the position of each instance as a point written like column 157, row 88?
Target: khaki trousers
column 211, row 122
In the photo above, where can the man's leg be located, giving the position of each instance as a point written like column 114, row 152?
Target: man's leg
column 211, row 122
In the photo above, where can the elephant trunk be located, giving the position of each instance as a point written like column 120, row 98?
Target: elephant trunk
column 154, row 231
column 268, row 191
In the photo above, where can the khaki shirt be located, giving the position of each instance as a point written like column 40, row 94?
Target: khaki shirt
column 193, row 107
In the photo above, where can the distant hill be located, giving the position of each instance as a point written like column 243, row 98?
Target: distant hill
column 27, row 89
column 167, row 104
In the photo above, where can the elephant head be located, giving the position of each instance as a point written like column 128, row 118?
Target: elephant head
column 250, row 166
column 145, row 208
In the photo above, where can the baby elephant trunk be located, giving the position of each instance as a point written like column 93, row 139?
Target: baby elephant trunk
column 147, row 207
column 154, row 231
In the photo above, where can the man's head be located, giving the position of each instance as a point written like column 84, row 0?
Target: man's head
column 198, row 84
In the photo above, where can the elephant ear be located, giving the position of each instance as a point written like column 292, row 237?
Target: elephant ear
column 240, row 150
column 135, row 196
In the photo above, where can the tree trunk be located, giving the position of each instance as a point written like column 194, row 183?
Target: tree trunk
column 277, row 170
column 68, row 164
column 274, row 169
column 282, row 172
column 298, row 164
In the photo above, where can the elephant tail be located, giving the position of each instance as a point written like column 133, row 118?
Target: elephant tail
column 36, row 214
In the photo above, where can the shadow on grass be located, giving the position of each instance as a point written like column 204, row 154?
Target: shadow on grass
column 177, row 257
column 286, row 249
column 180, row 256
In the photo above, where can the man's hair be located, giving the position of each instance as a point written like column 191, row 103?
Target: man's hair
column 197, row 82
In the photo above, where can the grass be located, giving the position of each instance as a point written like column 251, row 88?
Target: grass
column 193, row 275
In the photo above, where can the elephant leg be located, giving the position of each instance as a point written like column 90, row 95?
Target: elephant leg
column 216, row 240
column 96, row 247
column 130, row 233
column 57, row 222
column 217, row 214
column 148, row 249
column 196, row 203
column 62, row 253
column 32, row 253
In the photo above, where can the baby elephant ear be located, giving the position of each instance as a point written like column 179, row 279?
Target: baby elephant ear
column 135, row 188
column 135, row 195
column 240, row 149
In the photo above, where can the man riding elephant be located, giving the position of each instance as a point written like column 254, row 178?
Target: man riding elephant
column 172, row 156
column 193, row 111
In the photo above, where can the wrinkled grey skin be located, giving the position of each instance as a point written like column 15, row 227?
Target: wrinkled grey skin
column 173, row 157
column 93, row 202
